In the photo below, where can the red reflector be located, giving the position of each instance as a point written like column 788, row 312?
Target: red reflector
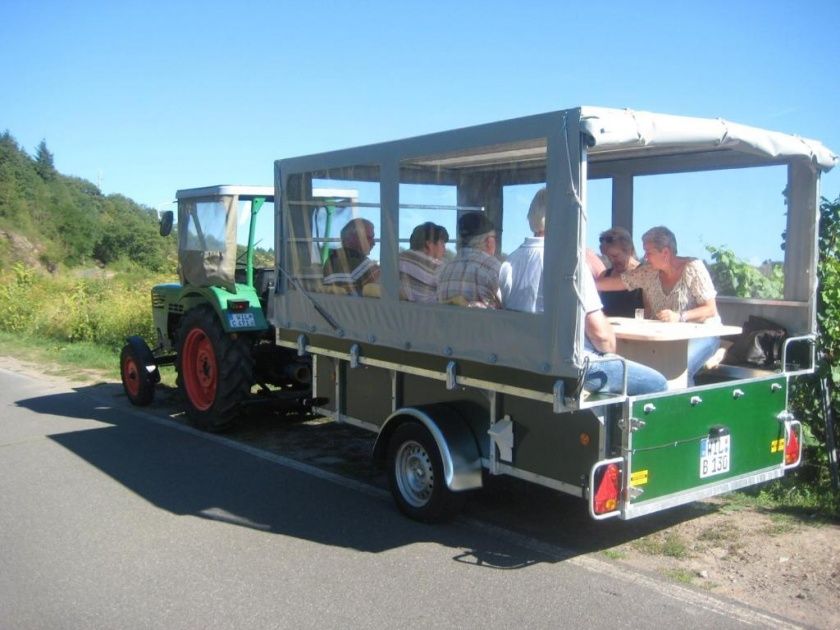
column 609, row 490
column 238, row 307
column 791, row 447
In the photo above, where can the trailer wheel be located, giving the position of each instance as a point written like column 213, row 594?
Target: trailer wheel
column 215, row 369
column 137, row 382
column 415, row 475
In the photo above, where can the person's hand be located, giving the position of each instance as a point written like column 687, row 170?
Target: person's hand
column 667, row 315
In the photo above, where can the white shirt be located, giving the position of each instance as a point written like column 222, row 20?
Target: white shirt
column 520, row 278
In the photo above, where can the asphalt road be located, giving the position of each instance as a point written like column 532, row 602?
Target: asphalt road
column 111, row 517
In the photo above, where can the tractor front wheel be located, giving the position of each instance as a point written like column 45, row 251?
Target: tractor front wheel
column 215, row 369
column 137, row 382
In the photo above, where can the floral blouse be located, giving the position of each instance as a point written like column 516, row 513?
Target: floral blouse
column 692, row 289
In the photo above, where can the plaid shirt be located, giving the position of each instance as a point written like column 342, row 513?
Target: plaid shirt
column 472, row 275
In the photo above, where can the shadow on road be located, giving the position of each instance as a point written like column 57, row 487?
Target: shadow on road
column 185, row 474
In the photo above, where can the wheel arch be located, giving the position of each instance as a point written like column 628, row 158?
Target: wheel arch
column 452, row 435
column 144, row 354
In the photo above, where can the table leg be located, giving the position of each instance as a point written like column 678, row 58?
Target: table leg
column 670, row 358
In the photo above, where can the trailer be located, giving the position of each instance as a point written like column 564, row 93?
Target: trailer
column 455, row 394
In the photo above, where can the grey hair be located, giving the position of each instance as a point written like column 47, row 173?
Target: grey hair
column 477, row 241
column 536, row 212
column 661, row 237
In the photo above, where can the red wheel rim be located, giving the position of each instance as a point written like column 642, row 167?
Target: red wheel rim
column 131, row 377
column 200, row 372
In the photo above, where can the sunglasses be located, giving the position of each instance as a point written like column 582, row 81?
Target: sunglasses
column 606, row 239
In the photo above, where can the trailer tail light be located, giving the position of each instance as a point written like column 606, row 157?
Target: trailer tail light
column 606, row 497
column 793, row 444
column 605, row 487
column 238, row 306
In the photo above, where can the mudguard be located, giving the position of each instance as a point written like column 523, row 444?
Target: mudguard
column 455, row 441
column 144, row 354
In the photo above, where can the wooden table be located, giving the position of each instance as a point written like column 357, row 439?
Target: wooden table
column 663, row 345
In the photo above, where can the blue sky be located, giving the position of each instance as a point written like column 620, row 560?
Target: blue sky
column 145, row 98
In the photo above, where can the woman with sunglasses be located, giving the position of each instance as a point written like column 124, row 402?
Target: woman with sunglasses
column 617, row 247
column 675, row 289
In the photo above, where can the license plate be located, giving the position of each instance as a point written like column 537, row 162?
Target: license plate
column 241, row 320
column 714, row 456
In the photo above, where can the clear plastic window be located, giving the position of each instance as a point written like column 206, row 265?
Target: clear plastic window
column 206, row 231
column 332, row 230
column 439, row 191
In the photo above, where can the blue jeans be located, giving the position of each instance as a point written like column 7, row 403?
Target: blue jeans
column 608, row 377
column 699, row 351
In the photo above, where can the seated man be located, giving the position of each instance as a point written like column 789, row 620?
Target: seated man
column 421, row 265
column 349, row 267
column 521, row 288
column 472, row 277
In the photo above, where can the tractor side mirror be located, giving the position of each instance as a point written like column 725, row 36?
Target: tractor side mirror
column 166, row 219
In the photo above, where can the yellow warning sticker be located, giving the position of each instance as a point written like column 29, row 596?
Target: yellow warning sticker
column 777, row 446
column 639, row 478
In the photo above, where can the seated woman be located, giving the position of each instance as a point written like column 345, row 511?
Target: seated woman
column 617, row 247
column 675, row 288
column 420, row 265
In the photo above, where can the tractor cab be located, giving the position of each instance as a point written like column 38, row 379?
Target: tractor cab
column 211, row 221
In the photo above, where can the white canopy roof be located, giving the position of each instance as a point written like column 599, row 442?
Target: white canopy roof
column 612, row 129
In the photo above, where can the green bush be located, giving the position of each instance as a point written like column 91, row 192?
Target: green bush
column 16, row 312
column 736, row 277
column 66, row 308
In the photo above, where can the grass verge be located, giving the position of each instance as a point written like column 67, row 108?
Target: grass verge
column 82, row 360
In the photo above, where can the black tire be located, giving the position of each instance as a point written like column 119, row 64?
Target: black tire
column 215, row 370
column 415, row 476
column 138, row 384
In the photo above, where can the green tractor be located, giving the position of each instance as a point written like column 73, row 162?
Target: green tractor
column 212, row 325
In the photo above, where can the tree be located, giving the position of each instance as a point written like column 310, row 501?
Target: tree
column 44, row 164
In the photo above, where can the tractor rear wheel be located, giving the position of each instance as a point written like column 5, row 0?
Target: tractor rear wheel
column 215, row 369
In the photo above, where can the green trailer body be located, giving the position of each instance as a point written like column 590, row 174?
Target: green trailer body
column 694, row 444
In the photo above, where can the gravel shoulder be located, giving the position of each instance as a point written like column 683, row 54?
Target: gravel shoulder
column 785, row 563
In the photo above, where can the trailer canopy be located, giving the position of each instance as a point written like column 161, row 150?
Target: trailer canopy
column 436, row 177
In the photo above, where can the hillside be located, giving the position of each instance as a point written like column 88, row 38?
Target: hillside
column 52, row 220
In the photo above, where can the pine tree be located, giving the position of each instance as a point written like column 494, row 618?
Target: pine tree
column 44, row 164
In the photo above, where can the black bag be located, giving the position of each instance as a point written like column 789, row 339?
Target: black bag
column 759, row 344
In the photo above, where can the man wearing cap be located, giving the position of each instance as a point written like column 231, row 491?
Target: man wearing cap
column 472, row 277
